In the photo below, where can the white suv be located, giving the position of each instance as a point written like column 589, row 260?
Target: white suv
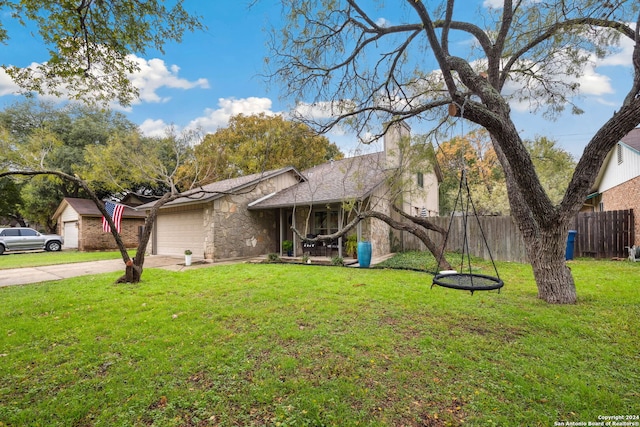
column 25, row 239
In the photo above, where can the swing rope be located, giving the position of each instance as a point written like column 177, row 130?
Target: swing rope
column 458, row 280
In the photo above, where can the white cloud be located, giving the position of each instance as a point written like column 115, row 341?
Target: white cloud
column 154, row 75
column 623, row 56
column 7, row 86
column 593, row 83
column 228, row 107
column 383, row 22
column 154, row 128
column 493, row 4
column 320, row 111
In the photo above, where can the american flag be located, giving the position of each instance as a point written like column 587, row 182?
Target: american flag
column 115, row 212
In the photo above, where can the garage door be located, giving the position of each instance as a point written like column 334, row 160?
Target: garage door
column 178, row 231
column 70, row 234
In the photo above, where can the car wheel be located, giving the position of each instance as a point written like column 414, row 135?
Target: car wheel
column 1, row 249
column 53, row 246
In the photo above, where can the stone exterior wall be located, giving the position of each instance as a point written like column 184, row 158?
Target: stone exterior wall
column 379, row 231
column 625, row 196
column 302, row 214
column 92, row 238
column 233, row 231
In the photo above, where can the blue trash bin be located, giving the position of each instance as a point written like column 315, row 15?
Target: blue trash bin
column 364, row 254
column 571, row 239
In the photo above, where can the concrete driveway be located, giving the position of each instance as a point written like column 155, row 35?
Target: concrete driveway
column 22, row 276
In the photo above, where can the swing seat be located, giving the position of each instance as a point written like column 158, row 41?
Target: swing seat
column 467, row 281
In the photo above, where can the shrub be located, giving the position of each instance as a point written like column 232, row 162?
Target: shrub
column 337, row 260
column 273, row 257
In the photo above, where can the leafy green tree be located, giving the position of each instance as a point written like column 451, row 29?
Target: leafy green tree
column 251, row 144
column 46, row 136
column 154, row 162
column 473, row 152
column 148, row 165
column 554, row 166
column 10, row 202
column 359, row 69
column 89, row 43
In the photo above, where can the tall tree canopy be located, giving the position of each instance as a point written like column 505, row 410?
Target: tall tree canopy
column 90, row 46
column 41, row 135
column 10, row 202
column 123, row 158
column 360, row 68
column 90, row 43
column 475, row 154
column 251, row 144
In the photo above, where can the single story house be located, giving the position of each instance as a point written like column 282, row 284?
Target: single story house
column 617, row 186
column 80, row 223
column 252, row 215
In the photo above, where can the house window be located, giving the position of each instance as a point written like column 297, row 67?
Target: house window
column 601, row 207
column 420, row 179
column 325, row 222
column 620, row 158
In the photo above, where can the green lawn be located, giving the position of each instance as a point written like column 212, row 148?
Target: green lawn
column 38, row 259
column 265, row 344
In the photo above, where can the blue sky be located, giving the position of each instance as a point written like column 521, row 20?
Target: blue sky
column 215, row 74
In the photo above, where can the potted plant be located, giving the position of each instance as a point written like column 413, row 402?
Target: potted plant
column 364, row 254
column 187, row 257
column 351, row 247
column 287, row 246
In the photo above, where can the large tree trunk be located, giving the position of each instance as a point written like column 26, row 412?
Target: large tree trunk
column 132, row 273
column 545, row 236
column 546, row 251
column 134, row 268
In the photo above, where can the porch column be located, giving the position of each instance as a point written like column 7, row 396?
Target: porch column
column 281, row 232
column 293, row 237
column 340, row 227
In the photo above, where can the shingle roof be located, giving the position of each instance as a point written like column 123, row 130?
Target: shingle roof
column 632, row 139
column 86, row 207
column 220, row 188
column 350, row 178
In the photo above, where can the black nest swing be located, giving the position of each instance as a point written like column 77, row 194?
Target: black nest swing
column 468, row 281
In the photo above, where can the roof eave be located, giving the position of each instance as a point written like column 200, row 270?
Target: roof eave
column 217, row 195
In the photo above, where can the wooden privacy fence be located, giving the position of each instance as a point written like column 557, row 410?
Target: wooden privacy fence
column 502, row 234
column 599, row 235
column 604, row 234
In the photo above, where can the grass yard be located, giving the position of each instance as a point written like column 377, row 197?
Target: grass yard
column 295, row 345
column 38, row 259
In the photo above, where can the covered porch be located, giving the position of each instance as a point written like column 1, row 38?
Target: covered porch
column 313, row 221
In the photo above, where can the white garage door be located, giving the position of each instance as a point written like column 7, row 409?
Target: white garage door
column 70, row 234
column 178, row 231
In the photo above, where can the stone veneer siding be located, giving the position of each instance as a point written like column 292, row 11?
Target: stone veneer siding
column 376, row 231
column 625, row 196
column 233, row 231
column 92, row 238
column 301, row 213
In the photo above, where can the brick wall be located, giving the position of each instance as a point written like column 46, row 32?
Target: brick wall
column 625, row 196
column 92, row 238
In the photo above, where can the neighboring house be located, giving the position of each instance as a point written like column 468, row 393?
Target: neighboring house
column 80, row 223
column 253, row 215
column 134, row 199
column 617, row 186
